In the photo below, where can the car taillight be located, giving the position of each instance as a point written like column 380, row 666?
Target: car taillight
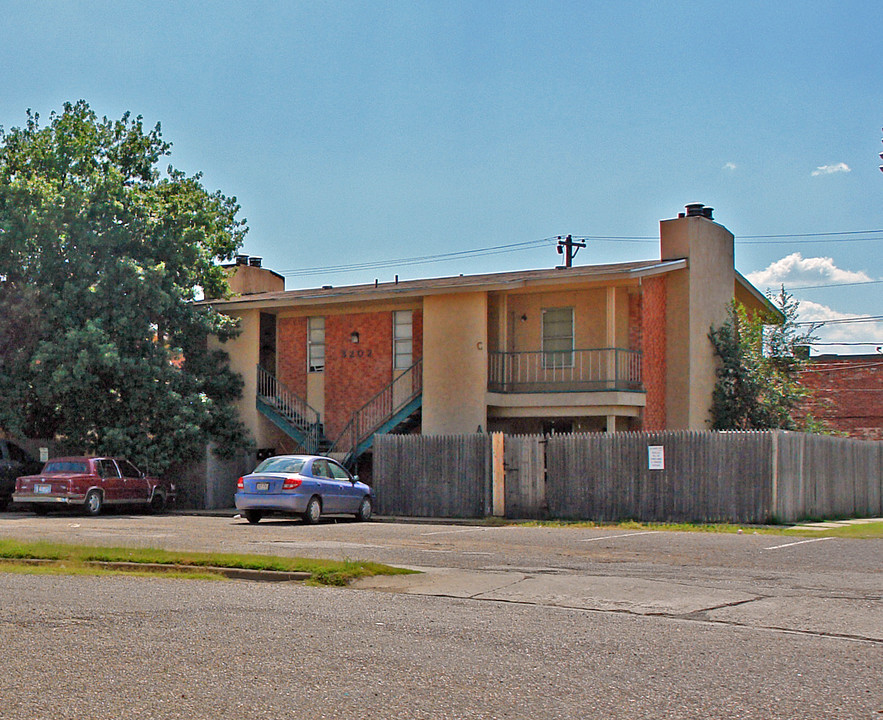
column 240, row 484
column 291, row 483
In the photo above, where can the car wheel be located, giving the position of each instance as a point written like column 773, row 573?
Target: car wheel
column 313, row 511
column 94, row 503
column 40, row 509
column 253, row 516
column 157, row 503
column 365, row 510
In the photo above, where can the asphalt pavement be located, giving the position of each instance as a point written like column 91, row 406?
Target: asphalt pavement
column 503, row 622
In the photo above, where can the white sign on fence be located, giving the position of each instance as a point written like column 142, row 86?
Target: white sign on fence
column 656, row 457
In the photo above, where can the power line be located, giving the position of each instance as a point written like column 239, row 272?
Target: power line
column 857, row 344
column 845, row 236
column 830, row 285
column 419, row 260
column 843, row 321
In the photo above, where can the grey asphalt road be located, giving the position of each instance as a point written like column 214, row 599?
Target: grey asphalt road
column 507, row 622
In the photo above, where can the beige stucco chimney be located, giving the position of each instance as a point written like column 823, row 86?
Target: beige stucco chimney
column 697, row 298
column 248, row 276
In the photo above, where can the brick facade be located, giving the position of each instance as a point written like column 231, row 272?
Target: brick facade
column 848, row 393
column 653, row 347
column 354, row 372
column 291, row 354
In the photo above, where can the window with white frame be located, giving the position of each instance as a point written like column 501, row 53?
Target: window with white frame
column 558, row 337
column 316, row 343
column 403, row 339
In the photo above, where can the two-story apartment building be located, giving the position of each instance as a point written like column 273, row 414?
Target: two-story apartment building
column 593, row 348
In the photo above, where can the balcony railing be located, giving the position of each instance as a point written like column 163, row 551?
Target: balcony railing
column 567, row 371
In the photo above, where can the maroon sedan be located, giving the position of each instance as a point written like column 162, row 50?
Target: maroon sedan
column 91, row 482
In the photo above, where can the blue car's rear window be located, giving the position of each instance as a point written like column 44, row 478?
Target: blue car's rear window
column 65, row 467
column 280, row 465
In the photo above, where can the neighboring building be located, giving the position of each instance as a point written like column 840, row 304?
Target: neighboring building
column 847, row 393
column 596, row 348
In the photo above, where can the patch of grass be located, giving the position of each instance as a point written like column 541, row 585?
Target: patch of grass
column 322, row 572
column 76, row 568
column 859, row 530
column 663, row 527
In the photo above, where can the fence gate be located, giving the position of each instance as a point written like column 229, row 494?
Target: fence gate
column 525, row 465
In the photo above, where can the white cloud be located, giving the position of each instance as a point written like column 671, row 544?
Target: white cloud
column 796, row 270
column 729, row 166
column 856, row 337
column 831, row 169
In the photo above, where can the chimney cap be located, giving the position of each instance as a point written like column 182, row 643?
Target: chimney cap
column 698, row 210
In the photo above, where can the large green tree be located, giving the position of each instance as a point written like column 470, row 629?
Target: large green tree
column 101, row 257
column 761, row 357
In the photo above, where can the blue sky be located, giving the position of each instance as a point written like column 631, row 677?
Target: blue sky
column 370, row 133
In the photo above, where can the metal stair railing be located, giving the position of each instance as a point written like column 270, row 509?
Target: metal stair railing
column 299, row 414
column 379, row 410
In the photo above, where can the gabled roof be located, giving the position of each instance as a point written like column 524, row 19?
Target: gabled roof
column 490, row 282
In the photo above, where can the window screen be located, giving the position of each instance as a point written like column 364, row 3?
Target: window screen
column 403, row 339
column 316, row 343
column 558, row 337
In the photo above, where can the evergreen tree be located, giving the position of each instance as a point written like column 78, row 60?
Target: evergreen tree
column 101, row 342
column 758, row 378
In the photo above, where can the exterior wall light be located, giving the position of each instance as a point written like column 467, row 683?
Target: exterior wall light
column 354, row 337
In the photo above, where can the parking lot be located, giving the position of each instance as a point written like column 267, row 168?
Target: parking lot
column 507, row 621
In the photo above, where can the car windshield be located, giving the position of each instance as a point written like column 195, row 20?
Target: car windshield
column 65, row 466
column 280, row 465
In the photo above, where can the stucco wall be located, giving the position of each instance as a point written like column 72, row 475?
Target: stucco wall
column 697, row 298
column 454, row 363
column 243, row 353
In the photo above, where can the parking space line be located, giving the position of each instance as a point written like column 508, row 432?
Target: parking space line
column 611, row 537
column 463, row 530
column 799, row 542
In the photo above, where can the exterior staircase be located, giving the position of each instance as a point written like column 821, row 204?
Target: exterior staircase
column 396, row 408
column 291, row 414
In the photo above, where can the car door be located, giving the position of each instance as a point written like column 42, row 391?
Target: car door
column 111, row 480
column 135, row 485
column 330, row 495
column 350, row 496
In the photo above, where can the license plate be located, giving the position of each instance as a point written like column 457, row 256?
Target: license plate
column 262, row 486
column 42, row 489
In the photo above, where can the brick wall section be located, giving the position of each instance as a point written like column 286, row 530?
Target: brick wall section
column 635, row 320
column 291, row 354
column 848, row 394
column 418, row 334
column 354, row 373
column 653, row 346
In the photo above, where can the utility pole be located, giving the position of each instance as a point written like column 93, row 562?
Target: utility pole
column 569, row 248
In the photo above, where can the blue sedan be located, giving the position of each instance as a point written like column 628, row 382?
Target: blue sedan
column 305, row 485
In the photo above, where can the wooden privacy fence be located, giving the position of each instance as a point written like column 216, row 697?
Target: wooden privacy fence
column 433, row 475
column 750, row 477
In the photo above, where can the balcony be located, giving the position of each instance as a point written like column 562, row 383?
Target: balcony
column 597, row 370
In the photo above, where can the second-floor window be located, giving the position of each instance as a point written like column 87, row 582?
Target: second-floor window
column 402, row 339
column 316, row 344
column 557, row 337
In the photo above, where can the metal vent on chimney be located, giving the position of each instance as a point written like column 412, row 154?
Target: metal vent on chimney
column 698, row 210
